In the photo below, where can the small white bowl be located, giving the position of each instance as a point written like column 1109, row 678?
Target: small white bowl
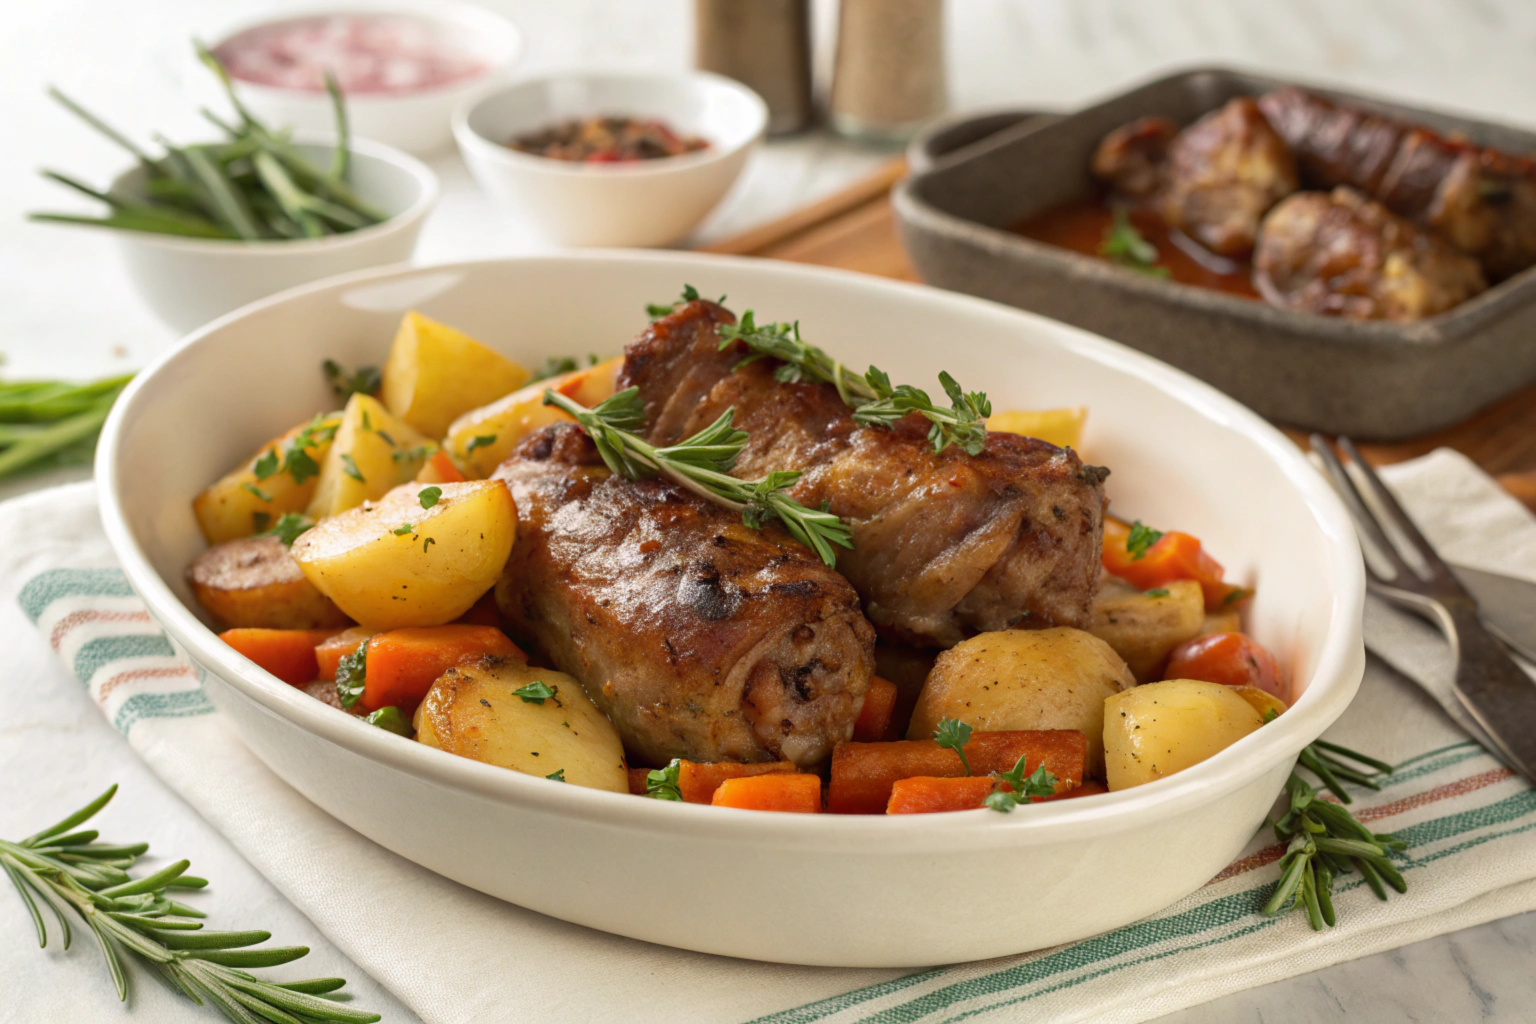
column 417, row 122
column 643, row 203
column 190, row 281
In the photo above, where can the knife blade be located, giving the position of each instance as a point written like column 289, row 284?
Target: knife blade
column 1506, row 605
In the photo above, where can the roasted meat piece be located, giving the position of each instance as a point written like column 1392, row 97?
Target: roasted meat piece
column 1224, row 173
column 1131, row 160
column 944, row 544
column 1483, row 200
column 700, row 638
column 1342, row 254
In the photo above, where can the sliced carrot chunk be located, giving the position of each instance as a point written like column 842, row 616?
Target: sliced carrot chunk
column 928, row 795
column 874, row 721
column 797, row 793
column 288, row 654
column 404, row 663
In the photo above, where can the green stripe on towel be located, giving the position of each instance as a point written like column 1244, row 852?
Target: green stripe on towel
column 95, row 653
column 178, row 704
column 46, row 588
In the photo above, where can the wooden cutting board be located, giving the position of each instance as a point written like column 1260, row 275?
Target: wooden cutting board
column 856, row 230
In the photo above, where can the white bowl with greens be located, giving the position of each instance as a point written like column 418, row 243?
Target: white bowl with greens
column 208, row 227
column 190, row 280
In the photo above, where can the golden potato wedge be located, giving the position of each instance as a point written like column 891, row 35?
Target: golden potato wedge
column 479, row 441
column 1152, row 731
column 280, row 477
column 1060, row 427
column 254, row 581
column 1144, row 628
column 1025, row 679
column 1262, row 700
column 435, row 374
column 398, row 563
column 475, row 711
column 373, row 453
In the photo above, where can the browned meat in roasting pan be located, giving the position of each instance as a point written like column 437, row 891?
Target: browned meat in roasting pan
column 1342, row 254
column 945, row 544
column 1483, row 200
column 699, row 637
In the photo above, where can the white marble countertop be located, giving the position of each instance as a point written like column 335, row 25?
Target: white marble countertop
column 67, row 309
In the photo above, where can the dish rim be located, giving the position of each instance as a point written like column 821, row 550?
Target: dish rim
column 1339, row 660
column 1466, row 317
column 467, row 136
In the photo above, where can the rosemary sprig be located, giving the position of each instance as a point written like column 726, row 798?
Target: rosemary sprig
column 873, row 399
column 702, row 464
column 1326, row 841
column 70, row 871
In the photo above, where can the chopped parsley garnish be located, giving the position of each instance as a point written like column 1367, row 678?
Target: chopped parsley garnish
column 419, row 451
column 365, row 380
column 954, row 734
column 290, row 526
column 661, row 783
column 556, row 366
column 350, row 673
column 558, row 775
column 267, row 465
column 297, row 462
column 402, row 529
column 1124, row 245
column 350, row 468
column 1158, row 592
column 252, row 488
column 1038, row 783
column 535, row 692
column 479, row 441
column 427, row 543
column 391, row 719
column 429, row 495
column 1236, row 594
column 1141, row 540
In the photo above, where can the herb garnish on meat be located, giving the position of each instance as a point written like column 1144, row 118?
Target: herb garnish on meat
column 702, row 464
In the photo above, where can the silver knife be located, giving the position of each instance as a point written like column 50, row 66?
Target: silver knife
column 1506, row 605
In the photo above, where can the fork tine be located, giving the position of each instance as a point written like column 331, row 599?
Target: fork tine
column 1365, row 522
column 1394, row 512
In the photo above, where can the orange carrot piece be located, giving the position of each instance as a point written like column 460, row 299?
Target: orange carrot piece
column 927, row 795
column 482, row 613
column 698, row 780
column 775, row 792
column 637, row 780
column 1174, row 556
column 404, row 663
column 288, row 654
column 1090, row 787
column 863, row 773
column 330, row 651
column 439, row 469
column 874, row 721
column 1232, row 659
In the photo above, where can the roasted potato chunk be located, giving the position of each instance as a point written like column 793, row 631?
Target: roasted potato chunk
column 481, row 440
column 416, row 558
column 1144, row 627
column 373, row 452
column 1153, row 731
column 273, row 481
column 477, row 711
column 254, row 581
column 1025, row 679
column 1060, row 427
column 435, row 374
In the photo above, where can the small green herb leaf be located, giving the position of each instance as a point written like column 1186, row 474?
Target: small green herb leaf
column 954, row 734
column 351, row 672
column 365, row 380
column 1124, row 245
column 290, row 526
column 412, row 454
column 535, row 692
column 427, row 543
column 661, row 783
column 1039, row 783
column 267, row 465
column 402, row 529
column 350, row 468
column 479, row 441
column 260, row 521
column 257, row 491
column 429, row 495
column 391, row 719
column 1158, row 592
column 1141, row 540
column 557, row 775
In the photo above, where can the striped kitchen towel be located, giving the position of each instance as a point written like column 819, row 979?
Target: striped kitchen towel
column 452, row 954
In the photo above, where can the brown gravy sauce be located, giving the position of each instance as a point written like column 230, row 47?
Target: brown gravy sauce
column 1081, row 226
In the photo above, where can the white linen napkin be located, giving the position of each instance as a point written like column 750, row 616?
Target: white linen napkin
column 454, row 955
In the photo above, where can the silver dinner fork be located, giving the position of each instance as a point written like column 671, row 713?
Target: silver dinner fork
column 1498, row 695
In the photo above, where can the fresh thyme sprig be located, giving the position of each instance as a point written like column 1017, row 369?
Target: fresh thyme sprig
column 71, row 871
column 702, row 464
column 1326, row 841
column 873, row 399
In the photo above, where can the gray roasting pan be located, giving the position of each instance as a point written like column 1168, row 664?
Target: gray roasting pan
column 1369, row 379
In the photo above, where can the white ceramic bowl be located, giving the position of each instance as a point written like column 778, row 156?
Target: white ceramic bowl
column 190, row 281
column 417, row 122
column 644, row 203
column 814, row 889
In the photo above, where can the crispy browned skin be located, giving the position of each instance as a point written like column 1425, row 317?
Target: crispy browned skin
column 944, row 544
column 1483, row 200
column 700, row 638
column 254, row 581
column 1341, row 254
